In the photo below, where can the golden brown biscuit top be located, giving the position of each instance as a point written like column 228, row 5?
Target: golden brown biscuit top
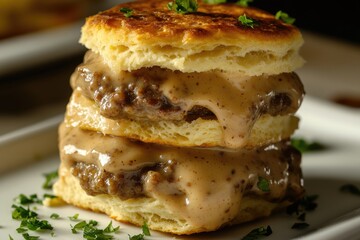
column 152, row 19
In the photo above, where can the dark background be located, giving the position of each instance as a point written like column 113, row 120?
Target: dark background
column 339, row 19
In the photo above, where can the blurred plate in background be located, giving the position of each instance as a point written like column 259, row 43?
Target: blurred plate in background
column 28, row 50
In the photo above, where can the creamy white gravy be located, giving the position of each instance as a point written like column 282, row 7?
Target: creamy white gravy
column 207, row 185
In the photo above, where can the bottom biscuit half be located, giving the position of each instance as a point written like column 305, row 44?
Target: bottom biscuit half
column 175, row 190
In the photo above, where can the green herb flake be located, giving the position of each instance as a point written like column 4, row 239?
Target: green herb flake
column 51, row 196
column 128, row 12
column 50, row 179
column 24, row 200
column 263, row 184
column 79, row 226
column 300, row 226
column 258, row 233
column 183, row 6
column 214, row 1
column 110, row 228
column 21, row 230
column 350, row 188
column 137, row 237
column 244, row 3
column 75, row 217
column 91, row 232
column 304, row 146
column 26, row 236
column 54, row 216
column 247, row 21
column 10, row 237
column 284, row 17
column 53, row 234
column 307, row 203
column 35, row 224
column 145, row 229
column 93, row 223
column 20, row 213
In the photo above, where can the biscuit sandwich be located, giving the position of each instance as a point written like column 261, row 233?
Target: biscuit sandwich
column 183, row 120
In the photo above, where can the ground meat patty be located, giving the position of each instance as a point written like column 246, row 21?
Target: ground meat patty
column 137, row 94
column 130, row 184
column 138, row 99
column 125, row 185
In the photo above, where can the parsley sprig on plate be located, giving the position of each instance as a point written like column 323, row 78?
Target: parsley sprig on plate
column 50, row 179
column 29, row 221
column 257, row 233
column 299, row 208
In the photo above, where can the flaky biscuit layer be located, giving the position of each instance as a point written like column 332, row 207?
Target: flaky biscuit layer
column 210, row 39
column 82, row 112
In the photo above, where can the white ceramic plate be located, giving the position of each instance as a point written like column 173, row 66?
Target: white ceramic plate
column 325, row 172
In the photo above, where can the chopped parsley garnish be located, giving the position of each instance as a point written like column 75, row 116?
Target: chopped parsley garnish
column 145, row 229
column 307, row 203
column 21, row 230
column 258, row 232
column 141, row 236
column 183, row 6
column 79, row 226
column 35, row 224
column 214, row 1
column 263, row 184
column 50, row 179
column 247, row 21
column 46, row 195
column 29, row 221
column 305, row 146
column 137, row 237
column 300, row 226
column 284, row 17
column 110, row 228
column 54, row 216
column 75, row 217
column 350, row 188
column 20, row 213
column 94, row 233
column 128, row 12
column 23, row 199
column 244, row 3
column 26, row 236
column 10, row 237
column 90, row 231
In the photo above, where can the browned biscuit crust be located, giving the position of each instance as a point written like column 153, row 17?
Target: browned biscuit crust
column 153, row 21
column 210, row 39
